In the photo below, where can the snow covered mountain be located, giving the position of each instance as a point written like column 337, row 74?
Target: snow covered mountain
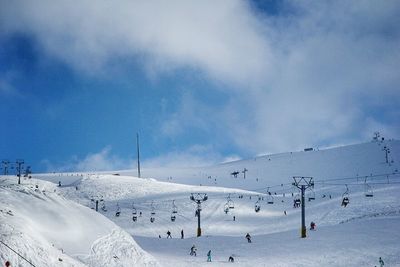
column 47, row 223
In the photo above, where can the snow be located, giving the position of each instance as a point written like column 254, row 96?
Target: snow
column 46, row 227
column 49, row 218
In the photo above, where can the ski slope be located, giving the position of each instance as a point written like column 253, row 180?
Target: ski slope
column 50, row 230
column 356, row 235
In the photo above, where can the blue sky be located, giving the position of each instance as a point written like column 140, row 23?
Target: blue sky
column 202, row 82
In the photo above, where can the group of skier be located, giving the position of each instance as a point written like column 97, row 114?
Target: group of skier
column 193, row 251
column 170, row 236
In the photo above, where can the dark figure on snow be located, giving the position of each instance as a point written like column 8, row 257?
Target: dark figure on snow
column 234, row 218
column 182, row 236
column 8, row 264
column 193, row 251
column 381, row 263
column 169, row 234
column 231, row 259
column 284, row 212
column 59, row 183
column 209, row 256
column 248, row 237
column 312, row 226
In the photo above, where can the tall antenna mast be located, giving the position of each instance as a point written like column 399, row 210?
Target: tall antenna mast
column 138, row 154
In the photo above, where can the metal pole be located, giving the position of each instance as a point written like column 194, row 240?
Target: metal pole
column 198, row 219
column 138, row 153
column 303, row 183
column 19, row 163
column 303, row 211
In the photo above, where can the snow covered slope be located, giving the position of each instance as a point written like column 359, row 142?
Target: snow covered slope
column 49, row 230
column 356, row 235
column 348, row 161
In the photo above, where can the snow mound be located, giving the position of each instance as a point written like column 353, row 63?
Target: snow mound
column 45, row 229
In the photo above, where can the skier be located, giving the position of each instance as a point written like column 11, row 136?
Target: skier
column 193, row 251
column 231, row 259
column 182, row 236
column 59, row 183
column 312, row 226
column 8, row 264
column 209, row 256
column 169, row 234
column 234, row 218
column 284, row 212
column 381, row 262
column 248, row 238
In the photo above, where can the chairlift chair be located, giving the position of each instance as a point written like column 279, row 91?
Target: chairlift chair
column 174, row 207
column 103, row 206
column 368, row 191
column 311, row 196
column 226, row 208
column 118, row 212
column 345, row 197
column 134, row 213
column 231, row 204
column 257, row 206
column 270, row 199
column 152, row 213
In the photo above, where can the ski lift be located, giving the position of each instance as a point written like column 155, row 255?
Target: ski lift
column 152, row 213
column 174, row 211
column 134, row 212
column 118, row 212
column 311, row 196
column 345, row 197
column 174, row 207
column 103, row 205
column 230, row 203
column 368, row 190
column 257, row 206
column 270, row 198
column 226, row 208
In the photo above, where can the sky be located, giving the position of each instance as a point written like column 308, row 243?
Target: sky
column 202, row 82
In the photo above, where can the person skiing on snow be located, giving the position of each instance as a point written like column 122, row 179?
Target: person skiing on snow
column 248, row 238
column 312, row 226
column 169, row 234
column 381, row 262
column 8, row 264
column 209, row 256
column 182, row 236
column 231, row 259
column 193, row 251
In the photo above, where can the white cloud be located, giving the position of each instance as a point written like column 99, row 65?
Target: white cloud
column 101, row 161
column 318, row 75
column 220, row 38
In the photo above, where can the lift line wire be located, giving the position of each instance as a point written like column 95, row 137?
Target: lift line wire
column 17, row 253
column 323, row 182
